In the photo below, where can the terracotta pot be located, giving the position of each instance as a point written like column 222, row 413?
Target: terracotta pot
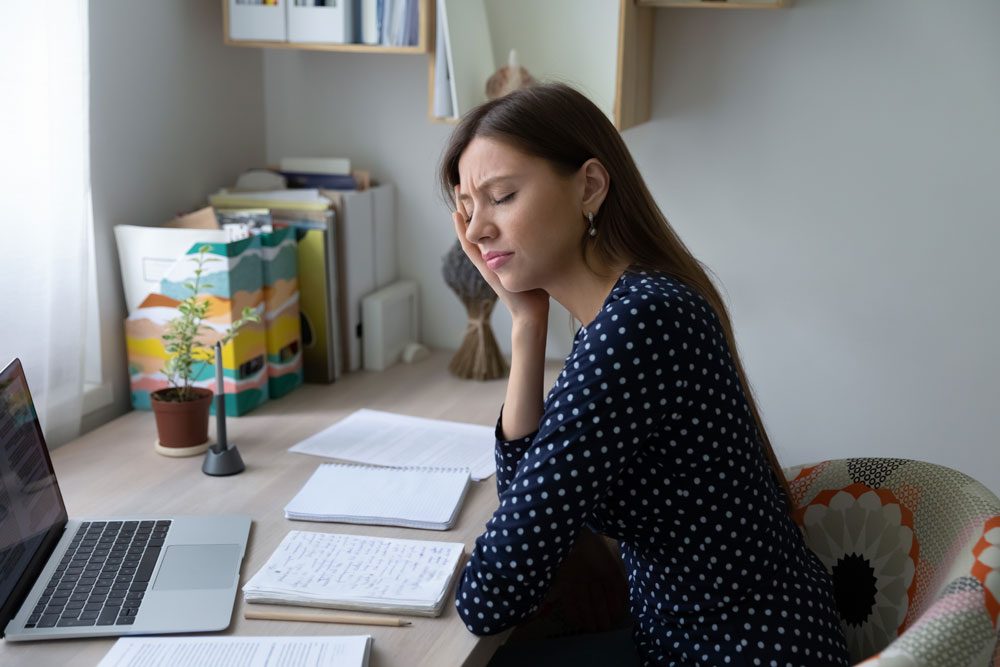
column 182, row 427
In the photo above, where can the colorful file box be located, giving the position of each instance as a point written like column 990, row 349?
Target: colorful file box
column 234, row 272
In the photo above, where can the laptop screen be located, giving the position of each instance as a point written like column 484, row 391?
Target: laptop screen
column 32, row 513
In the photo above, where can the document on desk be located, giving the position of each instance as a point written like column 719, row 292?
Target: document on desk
column 357, row 573
column 348, row 651
column 387, row 439
column 428, row 498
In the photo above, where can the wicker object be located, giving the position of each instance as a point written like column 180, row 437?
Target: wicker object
column 479, row 356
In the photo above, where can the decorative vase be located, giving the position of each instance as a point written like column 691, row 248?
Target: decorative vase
column 182, row 426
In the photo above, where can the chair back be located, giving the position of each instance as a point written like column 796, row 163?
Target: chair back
column 914, row 552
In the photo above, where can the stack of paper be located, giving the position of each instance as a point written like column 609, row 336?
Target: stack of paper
column 411, row 497
column 387, row 439
column 357, row 572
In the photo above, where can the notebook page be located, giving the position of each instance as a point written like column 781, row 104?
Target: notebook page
column 426, row 495
column 387, row 439
column 331, row 566
column 350, row 651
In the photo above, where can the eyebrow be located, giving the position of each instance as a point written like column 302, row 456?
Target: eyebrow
column 487, row 183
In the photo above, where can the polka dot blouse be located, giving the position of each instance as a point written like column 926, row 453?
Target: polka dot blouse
column 647, row 437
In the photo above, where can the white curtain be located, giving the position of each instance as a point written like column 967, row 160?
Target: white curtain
column 45, row 209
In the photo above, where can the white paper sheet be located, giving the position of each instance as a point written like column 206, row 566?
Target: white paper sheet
column 348, row 651
column 387, row 439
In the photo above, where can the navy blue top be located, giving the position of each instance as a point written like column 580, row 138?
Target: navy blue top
column 647, row 437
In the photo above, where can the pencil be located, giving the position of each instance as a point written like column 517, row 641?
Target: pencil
column 311, row 617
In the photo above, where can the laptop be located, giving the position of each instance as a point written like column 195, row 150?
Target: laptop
column 106, row 575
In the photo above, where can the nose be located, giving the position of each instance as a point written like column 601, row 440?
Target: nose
column 480, row 227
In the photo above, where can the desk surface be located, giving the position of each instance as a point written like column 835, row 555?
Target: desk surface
column 114, row 469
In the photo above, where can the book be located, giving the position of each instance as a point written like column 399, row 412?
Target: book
column 348, row 651
column 469, row 51
column 369, row 21
column 358, row 573
column 318, row 293
column 444, row 93
column 366, row 230
column 302, row 179
column 387, row 439
column 316, row 165
column 415, row 497
column 292, row 200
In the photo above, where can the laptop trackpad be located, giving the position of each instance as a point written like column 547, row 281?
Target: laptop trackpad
column 198, row 566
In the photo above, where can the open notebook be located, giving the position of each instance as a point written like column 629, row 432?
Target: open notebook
column 357, row 572
column 412, row 497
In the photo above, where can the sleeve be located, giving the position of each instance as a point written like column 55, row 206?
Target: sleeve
column 508, row 454
column 609, row 397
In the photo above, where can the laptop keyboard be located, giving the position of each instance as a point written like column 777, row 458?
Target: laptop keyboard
column 103, row 576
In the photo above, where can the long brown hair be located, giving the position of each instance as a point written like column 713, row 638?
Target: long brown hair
column 559, row 124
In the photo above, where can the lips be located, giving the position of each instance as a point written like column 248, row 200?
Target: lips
column 495, row 259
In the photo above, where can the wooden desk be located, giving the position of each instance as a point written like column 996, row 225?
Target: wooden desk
column 114, row 469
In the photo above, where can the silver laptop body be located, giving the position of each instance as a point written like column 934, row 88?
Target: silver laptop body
column 193, row 571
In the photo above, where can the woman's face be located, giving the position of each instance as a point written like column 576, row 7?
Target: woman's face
column 526, row 219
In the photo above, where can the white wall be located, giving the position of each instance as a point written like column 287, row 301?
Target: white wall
column 175, row 114
column 837, row 165
column 834, row 163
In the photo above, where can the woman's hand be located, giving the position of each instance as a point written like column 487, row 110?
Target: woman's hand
column 531, row 306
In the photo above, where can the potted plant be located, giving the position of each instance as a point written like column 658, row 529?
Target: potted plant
column 181, row 410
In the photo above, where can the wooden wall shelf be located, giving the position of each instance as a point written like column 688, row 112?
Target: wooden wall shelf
column 633, row 76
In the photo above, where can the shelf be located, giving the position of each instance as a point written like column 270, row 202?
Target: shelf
column 717, row 4
column 632, row 73
column 343, row 48
column 421, row 48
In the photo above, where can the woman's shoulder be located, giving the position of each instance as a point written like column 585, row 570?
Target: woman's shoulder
column 640, row 292
column 642, row 302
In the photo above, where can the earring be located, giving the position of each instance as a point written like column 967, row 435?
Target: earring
column 593, row 230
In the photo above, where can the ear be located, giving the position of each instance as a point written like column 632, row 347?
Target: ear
column 595, row 182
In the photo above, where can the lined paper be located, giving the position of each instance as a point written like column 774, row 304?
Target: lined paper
column 388, row 439
column 348, row 651
column 411, row 497
column 357, row 572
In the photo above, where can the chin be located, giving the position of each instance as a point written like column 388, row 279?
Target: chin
column 513, row 284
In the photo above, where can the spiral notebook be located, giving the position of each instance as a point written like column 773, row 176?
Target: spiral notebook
column 415, row 497
column 358, row 573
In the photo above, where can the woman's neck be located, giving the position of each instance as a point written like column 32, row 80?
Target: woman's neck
column 583, row 291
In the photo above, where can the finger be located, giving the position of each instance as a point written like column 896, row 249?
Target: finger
column 458, row 202
column 460, row 233
column 471, row 249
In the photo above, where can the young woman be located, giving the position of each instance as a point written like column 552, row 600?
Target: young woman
column 650, row 435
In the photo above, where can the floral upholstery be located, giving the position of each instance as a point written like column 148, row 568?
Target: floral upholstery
column 914, row 551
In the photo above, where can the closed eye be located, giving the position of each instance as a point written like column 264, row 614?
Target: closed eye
column 502, row 200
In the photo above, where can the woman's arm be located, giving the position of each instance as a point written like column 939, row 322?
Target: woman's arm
column 602, row 408
column 530, row 314
column 522, row 407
